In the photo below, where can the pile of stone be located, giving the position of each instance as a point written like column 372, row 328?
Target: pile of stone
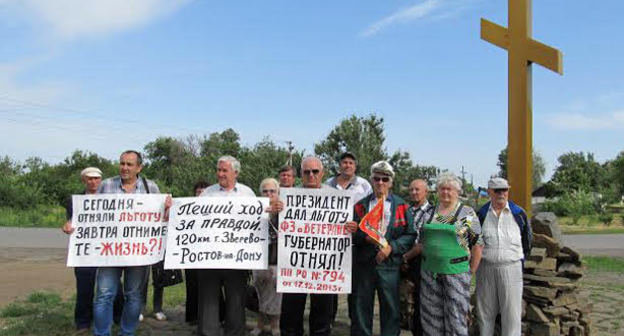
column 552, row 304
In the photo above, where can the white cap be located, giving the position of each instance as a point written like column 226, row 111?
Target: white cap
column 91, row 172
column 382, row 167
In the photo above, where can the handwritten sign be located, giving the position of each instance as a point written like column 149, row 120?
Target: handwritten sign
column 218, row 232
column 117, row 230
column 314, row 249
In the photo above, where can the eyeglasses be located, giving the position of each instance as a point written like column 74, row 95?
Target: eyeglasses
column 384, row 179
column 313, row 171
column 500, row 190
column 269, row 191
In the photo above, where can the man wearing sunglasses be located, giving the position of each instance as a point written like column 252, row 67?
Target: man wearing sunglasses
column 293, row 304
column 507, row 236
column 375, row 265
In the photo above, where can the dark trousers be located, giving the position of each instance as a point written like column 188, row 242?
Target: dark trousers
column 415, row 277
column 85, row 285
column 157, row 297
column 293, row 306
column 211, row 282
column 368, row 279
column 190, row 277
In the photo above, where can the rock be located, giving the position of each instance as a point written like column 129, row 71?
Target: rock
column 551, row 281
column 555, row 311
column 546, row 223
column 564, row 299
column 536, row 314
column 572, row 253
column 545, row 264
column 544, row 292
column 544, row 329
column 537, row 253
column 545, row 273
column 552, row 247
column 570, row 270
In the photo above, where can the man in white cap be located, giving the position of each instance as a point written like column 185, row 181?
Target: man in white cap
column 91, row 177
column 507, row 236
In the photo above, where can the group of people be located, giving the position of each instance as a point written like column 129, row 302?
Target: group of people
column 441, row 246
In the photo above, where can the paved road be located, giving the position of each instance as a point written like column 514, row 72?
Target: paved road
column 32, row 238
column 596, row 244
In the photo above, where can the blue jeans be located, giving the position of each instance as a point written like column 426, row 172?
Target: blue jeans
column 107, row 283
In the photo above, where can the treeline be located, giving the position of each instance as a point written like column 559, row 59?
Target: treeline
column 176, row 164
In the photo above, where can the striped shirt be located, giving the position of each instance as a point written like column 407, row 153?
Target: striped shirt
column 113, row 185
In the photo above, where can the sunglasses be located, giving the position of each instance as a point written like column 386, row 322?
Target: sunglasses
column 313, row 171
column 500, row 190
column 269, row 191
column 384, row 179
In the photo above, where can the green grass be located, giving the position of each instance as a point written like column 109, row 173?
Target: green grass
column 42, row 216
column 590, row 224
column 604, row 264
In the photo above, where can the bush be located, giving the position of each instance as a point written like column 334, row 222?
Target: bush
column 574, row 204
column 605, row 218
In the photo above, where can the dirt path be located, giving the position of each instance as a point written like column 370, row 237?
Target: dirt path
column 25, row 270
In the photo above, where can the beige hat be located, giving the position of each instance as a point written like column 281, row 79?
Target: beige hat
column 91, row 172
column 498, row 183
column 382, row 167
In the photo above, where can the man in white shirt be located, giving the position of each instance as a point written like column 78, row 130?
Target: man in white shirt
column 234, row 282
column 347, row 180
column 507, row 237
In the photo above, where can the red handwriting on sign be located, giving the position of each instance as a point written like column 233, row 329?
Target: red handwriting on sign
column 131, row 248
column 325, row 229
column 140, row 217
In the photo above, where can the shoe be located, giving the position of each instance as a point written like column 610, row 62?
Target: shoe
column 160, row 316
column 140, row 317
column 255, row 332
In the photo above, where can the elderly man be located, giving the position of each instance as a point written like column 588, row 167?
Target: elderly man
column 91, row 177
column 293, row 304
column 347, row 180
column 507, row 236
column 420, row 209
column 287, row 176
column 128, row 182
column 233, row 282
column 376, row 265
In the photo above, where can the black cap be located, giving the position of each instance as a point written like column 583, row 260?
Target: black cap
column 347, row 154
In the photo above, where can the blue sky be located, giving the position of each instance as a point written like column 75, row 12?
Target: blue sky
column 105, row 76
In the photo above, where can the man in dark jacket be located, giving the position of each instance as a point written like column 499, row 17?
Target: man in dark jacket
column 507, row 236
column 376, row 263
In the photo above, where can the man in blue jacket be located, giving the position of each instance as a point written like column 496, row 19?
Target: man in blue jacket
column 507, row 236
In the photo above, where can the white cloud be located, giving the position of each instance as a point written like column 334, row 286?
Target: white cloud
column 578, row 121
column 70, row 19
column 433, row 9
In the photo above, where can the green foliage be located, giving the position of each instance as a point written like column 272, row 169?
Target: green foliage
column 50, row 216
column 539, row 167
column 606, row 218
column 364, row 137
column 578, row 172
column 574, row 204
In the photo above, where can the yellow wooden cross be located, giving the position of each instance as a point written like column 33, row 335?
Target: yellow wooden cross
column 522, row 51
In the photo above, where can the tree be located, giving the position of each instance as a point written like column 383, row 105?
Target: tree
column 539, row 167
column 578, row 172
column 363, row 136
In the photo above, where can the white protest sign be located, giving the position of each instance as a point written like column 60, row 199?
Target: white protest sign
column 314, row 249
column 218, row 232
column 117, row 230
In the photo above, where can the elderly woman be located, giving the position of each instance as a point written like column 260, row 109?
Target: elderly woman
column 265, row 281
column 376, row 266
column 451, row 244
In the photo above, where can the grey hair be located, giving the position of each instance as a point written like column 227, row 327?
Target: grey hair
column 232, row 161
column 308, row 158
column 449, row 179
column 267, row 181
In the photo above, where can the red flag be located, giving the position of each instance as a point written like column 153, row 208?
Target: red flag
column 371, row 223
